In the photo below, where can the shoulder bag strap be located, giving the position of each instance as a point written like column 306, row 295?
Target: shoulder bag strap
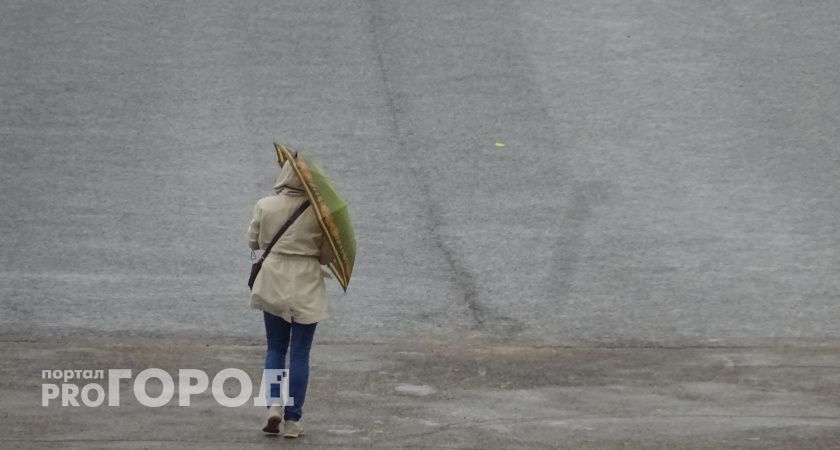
column 285, row 226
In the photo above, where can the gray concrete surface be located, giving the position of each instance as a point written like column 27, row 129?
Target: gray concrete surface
column 671, row 169
column 671, row 178
column 473, row 392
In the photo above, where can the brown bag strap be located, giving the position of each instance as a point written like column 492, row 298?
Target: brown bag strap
column 283, row 229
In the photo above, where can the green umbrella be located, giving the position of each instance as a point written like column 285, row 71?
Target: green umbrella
column 330, row 209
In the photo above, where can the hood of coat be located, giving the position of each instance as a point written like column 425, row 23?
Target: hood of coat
column 288, row 182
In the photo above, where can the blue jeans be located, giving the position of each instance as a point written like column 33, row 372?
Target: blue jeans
column 280, row 334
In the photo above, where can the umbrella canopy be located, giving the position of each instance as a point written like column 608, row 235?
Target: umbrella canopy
column 330, row 209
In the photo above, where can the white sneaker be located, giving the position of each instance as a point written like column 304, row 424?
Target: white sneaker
column 292, row 429
column 273, row 420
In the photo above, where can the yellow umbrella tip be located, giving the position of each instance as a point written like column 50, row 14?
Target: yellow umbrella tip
column 281, row 156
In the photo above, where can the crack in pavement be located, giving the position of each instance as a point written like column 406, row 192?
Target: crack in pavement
column 460, row 277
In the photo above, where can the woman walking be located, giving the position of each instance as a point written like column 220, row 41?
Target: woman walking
column 289, row 289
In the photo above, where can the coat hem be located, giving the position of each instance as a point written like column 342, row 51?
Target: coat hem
column 286, row 315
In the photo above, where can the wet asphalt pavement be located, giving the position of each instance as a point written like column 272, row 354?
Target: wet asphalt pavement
column 670, row 170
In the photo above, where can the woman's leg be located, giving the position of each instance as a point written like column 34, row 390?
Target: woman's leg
column 301, row 343
column 277, row 338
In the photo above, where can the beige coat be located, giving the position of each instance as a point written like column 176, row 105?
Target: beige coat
column 290, row 284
